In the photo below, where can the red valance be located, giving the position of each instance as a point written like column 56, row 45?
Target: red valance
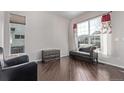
column 106, row 17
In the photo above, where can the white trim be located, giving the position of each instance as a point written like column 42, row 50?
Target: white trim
column 37, row 60
column 105, row 62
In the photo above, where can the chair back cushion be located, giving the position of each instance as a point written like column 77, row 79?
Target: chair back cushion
column 86, row 49
column 17, row 60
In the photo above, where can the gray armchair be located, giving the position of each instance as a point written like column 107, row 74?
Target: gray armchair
column 19, row 69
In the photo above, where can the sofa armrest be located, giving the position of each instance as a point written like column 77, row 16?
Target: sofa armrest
column 92, row 50
column 17, row 60
column 19, row 66
column 22, row 72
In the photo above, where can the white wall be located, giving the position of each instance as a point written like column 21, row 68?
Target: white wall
column 117, row 56
column 1, row 27
column 43, row 31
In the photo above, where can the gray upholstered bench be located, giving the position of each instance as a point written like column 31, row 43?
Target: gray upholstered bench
column 85, row 54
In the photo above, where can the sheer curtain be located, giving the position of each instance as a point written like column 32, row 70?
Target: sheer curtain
column 106, row 33
column 75, row 36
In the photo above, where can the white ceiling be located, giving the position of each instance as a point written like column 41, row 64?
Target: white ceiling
column 68, row 14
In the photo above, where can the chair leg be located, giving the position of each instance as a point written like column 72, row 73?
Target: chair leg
column 97, row 60
column 92, row 61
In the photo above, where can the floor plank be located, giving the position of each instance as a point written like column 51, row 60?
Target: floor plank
column 68, row 69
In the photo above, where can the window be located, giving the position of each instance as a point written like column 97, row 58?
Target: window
column 88, row 32
column 17, row 34
column 96, row 31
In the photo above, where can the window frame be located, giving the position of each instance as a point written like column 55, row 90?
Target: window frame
column 89, row 29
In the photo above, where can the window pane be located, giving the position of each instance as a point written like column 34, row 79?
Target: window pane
column 82, row 32
column 95, row 26
column 82, row 28
column 83, row 39
column 95, row 40
column 89, row 32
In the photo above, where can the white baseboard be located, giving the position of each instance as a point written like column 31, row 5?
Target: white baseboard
column 37, row 60
column 100, row 61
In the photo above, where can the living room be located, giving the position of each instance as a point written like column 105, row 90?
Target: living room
column 59, row 46
column 60, row 30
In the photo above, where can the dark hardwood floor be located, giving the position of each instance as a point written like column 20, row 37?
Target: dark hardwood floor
column 68, row 69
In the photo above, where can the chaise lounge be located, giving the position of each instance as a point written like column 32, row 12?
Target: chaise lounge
column 86, row 53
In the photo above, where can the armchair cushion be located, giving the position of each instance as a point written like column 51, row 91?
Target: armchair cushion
column 16, row 60
column 21, row 72
column 19, row 69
